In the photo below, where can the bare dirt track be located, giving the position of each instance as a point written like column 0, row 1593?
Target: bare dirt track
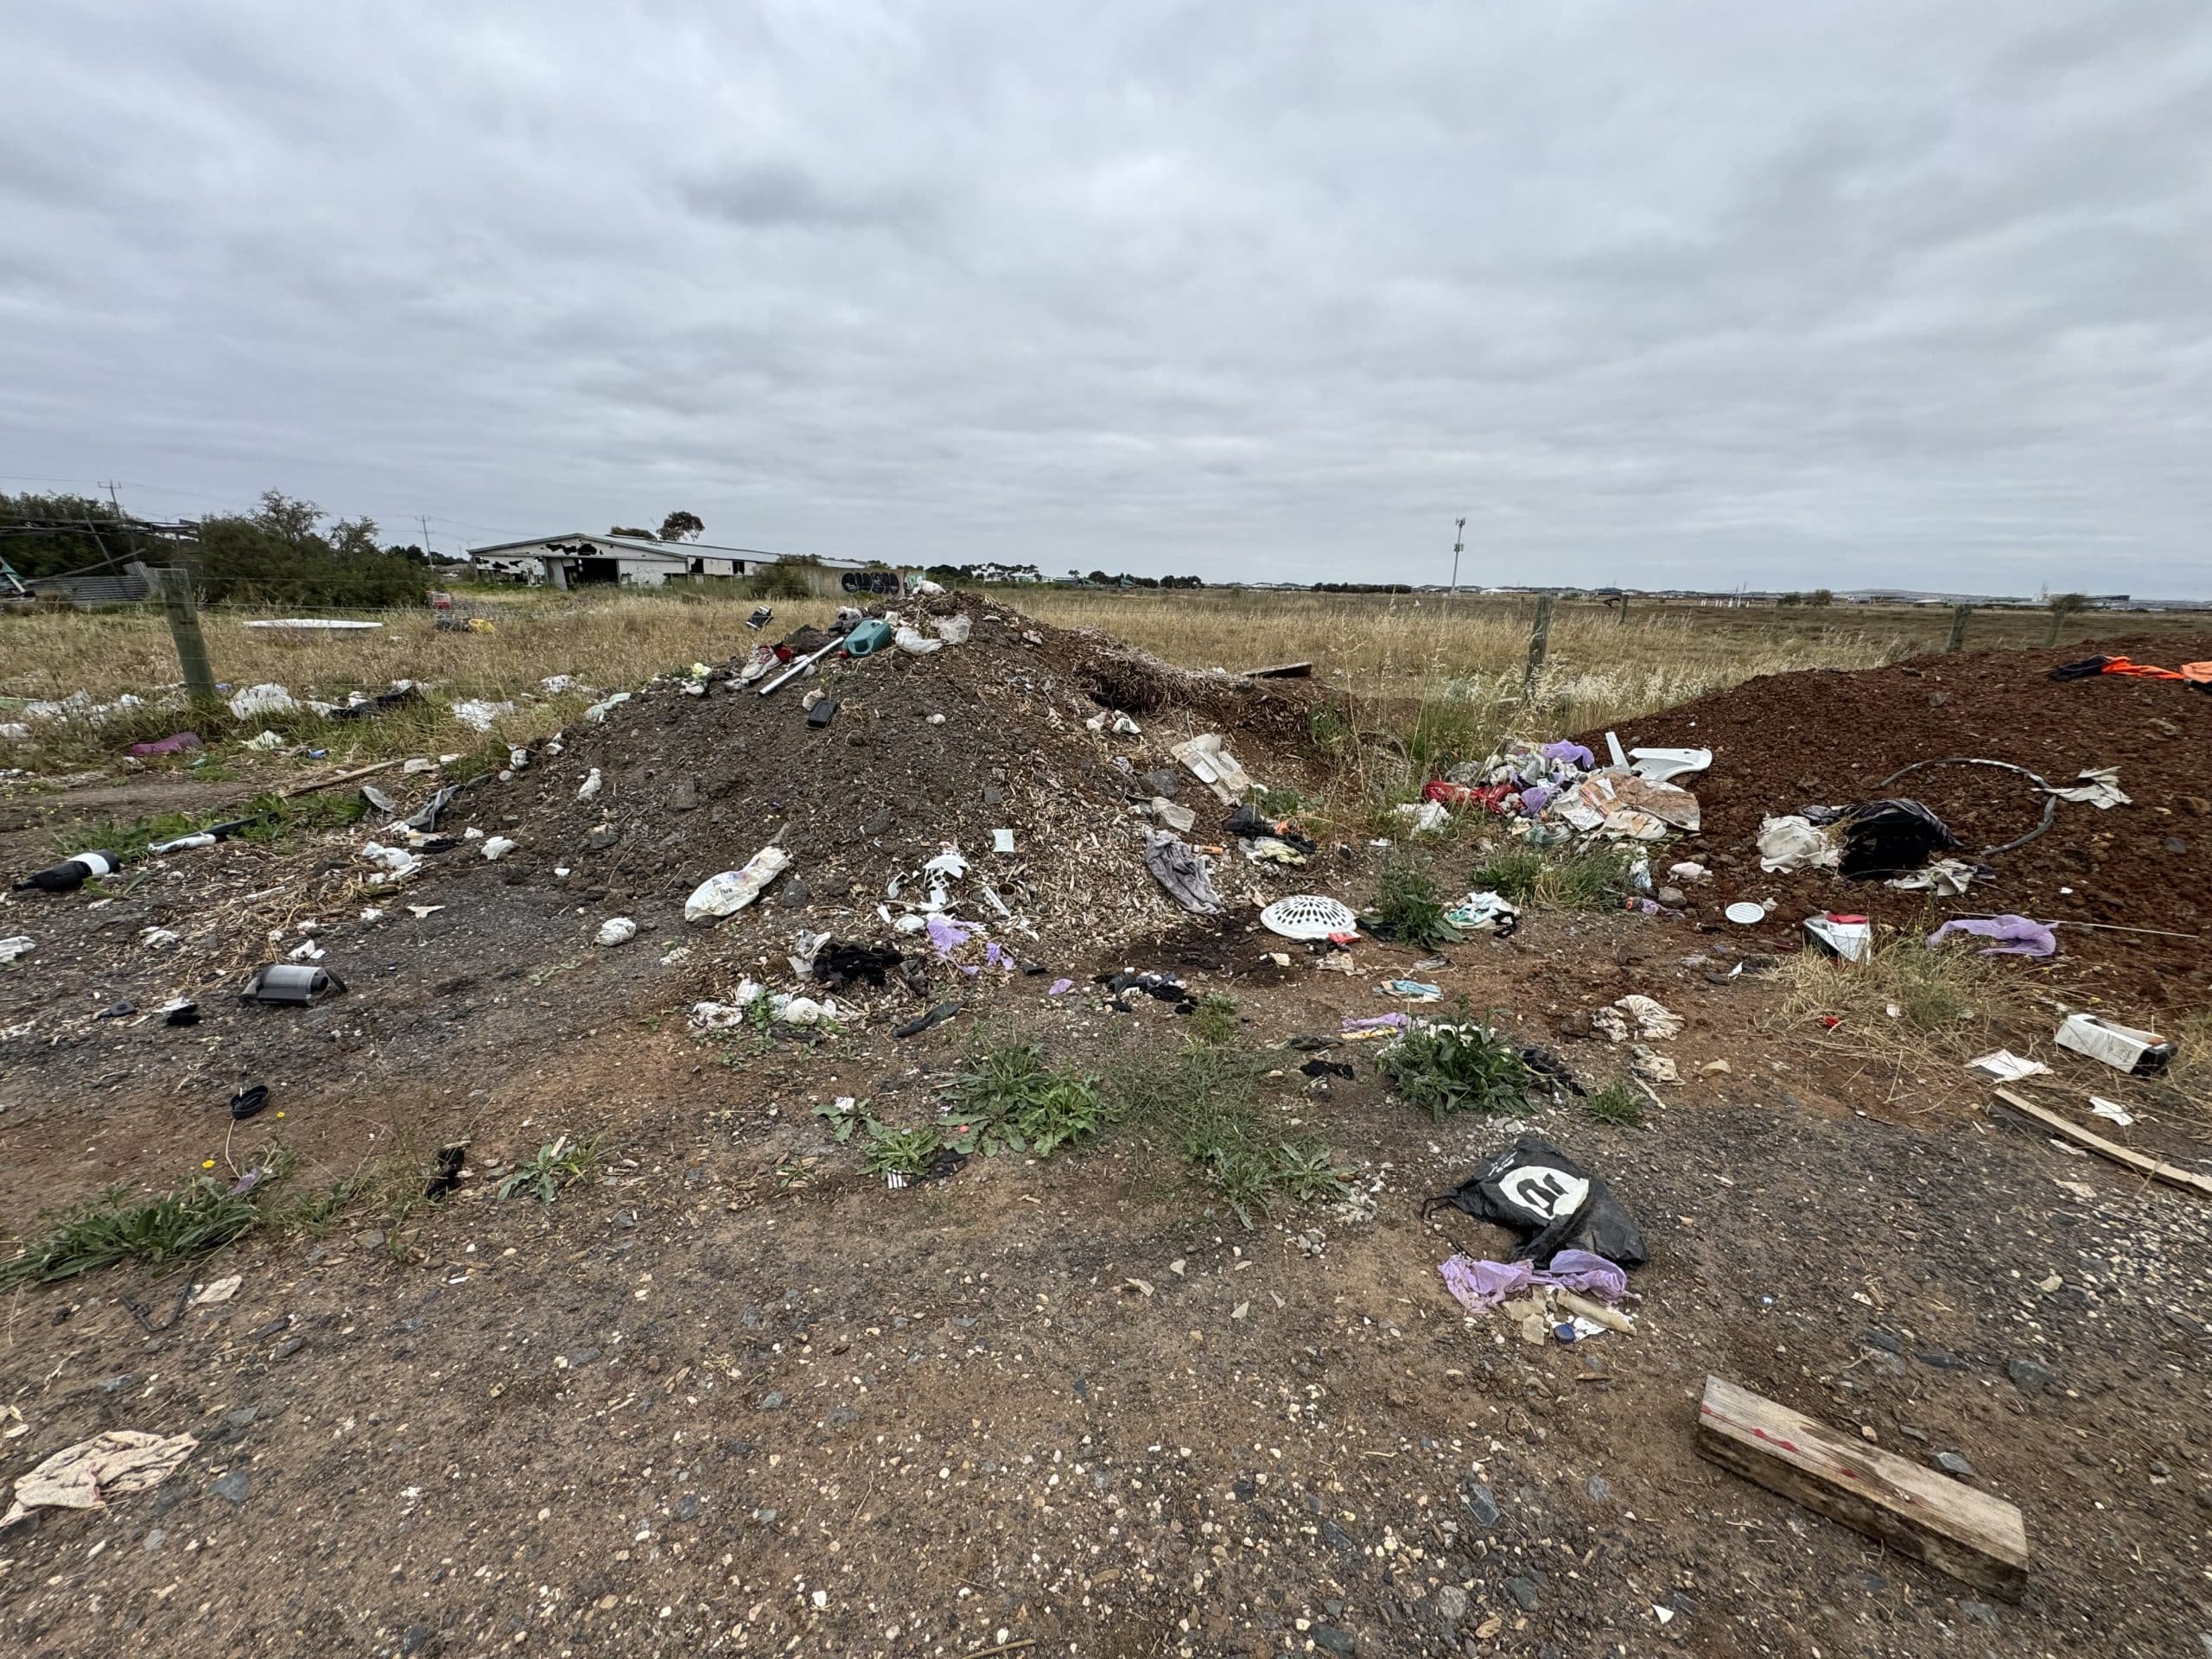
column 732, row 1396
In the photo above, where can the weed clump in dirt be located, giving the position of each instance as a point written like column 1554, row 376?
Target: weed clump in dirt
column 107, row 1228
column 560, row 1162
column 1199, row 1096
column 1214, row 1021
column 1410, row 907
column 1615, row 1103
column 1587, row 878
column 1008, row 1097
column 1457, row 1066
column 1905, row 994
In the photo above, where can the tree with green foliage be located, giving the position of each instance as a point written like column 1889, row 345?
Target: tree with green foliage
column 682, row 526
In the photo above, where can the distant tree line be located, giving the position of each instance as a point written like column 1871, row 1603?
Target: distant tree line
column 1363, row 587
column 285, row 551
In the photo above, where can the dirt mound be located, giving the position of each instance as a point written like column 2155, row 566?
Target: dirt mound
column 923, row 752
column 1833, row 736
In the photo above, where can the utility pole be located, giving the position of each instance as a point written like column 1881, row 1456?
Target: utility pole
column 1458, row 546
column 423, row 519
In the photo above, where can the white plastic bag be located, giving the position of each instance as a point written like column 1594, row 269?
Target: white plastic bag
column 733, row 890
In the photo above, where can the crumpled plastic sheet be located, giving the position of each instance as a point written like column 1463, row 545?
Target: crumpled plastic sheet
column 947, row 934
column 1566, row 751
column 1379, row 1022
column 1481, row 1286
column 2016, row 935
column 83, row 1476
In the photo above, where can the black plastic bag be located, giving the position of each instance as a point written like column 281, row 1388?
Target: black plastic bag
column 1884, row 838
column 840, row 964
column 2087, row 667
column 1551, row 1201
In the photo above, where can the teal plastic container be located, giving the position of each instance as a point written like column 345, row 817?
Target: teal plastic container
column 867, row 638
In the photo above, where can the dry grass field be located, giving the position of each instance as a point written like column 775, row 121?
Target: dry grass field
column 1451, row 668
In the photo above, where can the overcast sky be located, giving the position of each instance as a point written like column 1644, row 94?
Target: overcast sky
column 1834, row 292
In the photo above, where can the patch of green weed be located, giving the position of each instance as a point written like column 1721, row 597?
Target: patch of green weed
column 109, row 1228
column 1615, row 1103
column 1008, row 1097
column 1589, row 878
column 899, row 1152
column 1214, row 1021
column 1410, row 907
column 560, row 1162
column 1457, row 1066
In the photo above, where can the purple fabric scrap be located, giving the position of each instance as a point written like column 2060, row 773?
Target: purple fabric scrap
column 1481, row 1286
column 1061, row 988
column 1563, row 750
column 947, row 935
column 1535, row 798
column 1376, row 1022
column 2016, row 935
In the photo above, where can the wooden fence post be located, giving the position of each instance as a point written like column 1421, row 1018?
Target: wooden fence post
column 182, row 609
column 1960, row 614
column 1539, row 645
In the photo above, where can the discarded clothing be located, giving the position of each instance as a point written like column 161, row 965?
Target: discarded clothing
column 1540, row 1192
column 1637, row 1016
column 1378, row 1024
column 1481, row 1286
column 835, row 965
column 1166, row 988
column 1791, row 843
column 1413, row 990
column 176, row 744
column 2016, row 935
column 113, row 1464
column 1545, row 1064
column 2003, row 1065
column 1947, row 878
column 1182, row 872
column 1247, row 824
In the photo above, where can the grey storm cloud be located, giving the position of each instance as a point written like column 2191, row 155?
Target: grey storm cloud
column 1850, row 292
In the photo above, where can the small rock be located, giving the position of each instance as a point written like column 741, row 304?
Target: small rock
column 1942, row 1359
column 1524, row 1593
column 1952, row 1464
column 687, row 1507
column 231, row 1487
column 154, row 1538
column 771, row 1402
column 2175, row 844
column 417, row 1637
column 1336, row 1641
column 1673, row 896
column 287, row 1348
column 1597, row 1488
column 241, row 1418
column 1882, row 1339
column 1980, row 1612
column 1451, row 1603
column 2030, row 1375
column 118, row 1384
column 369, row 1241
column 1481, row 1502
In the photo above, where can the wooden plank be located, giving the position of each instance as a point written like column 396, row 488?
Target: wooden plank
column 1282, row 671
column 2155, row 1168
column 1913, row 1510
column 332, row 782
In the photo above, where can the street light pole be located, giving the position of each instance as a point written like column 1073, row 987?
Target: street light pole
column 1458, row 546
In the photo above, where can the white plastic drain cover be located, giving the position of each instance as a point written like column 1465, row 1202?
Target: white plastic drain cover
column 1308, row 916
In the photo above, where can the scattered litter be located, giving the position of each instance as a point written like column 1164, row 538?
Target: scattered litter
column 1552, row 1201
column 267, row 743
column 953, row 631
column 1425, row 817
column 248, row 1102
column 1637, row 1016
column 214, row 1295
column 1947, row 878
column 418, row 912
column 1182, row 873
column 113, row 1464
column 1412, row 990
column 1308, row 916
column 2015, row 936
column 1480, row 1287
column 175, row 743
column 616, row 929
column 306, row 951
column 1662, row 765
column 1207, row 759
column 393, row 863
column 588, row 790
column 259, row 699
column 179, row 1011
column 1001, row 841
column 71, row 873
column 717, row 1016
column 497, row 847
column 1851, row 937
column 733, row 890
column 599, row 710
column 823, row 711
column 281, row 982
column 2005, row 1066
column 1375, row 1024
column 1687, row 870
column 2099, row 788
column 1653, row 1067
column 921, row 1023
column 1484, row 912
column 1747, row 912
column 2112, row 1111
column 1789, row 843
column 2125, row 1048
column 916, row 643
column 1059, row 988
column 1887, row 837
column 479, row 715
column 1180, row 819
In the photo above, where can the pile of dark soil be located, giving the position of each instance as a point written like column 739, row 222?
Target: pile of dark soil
column 924, row 753
column 1832, row 736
